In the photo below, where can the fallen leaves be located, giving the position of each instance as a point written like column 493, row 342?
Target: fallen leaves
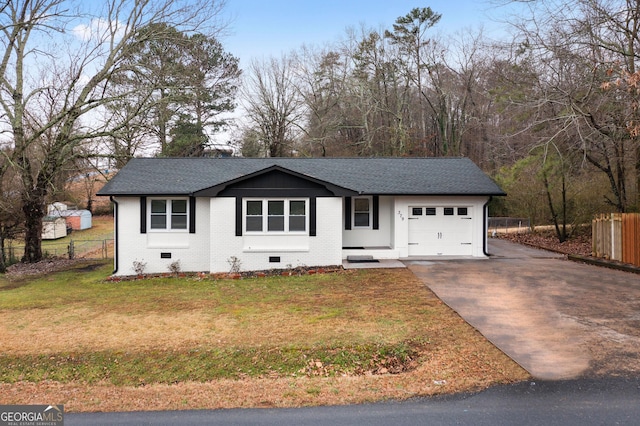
column 580, row 244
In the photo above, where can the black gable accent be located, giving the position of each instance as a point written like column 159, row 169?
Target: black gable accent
column 275, row 183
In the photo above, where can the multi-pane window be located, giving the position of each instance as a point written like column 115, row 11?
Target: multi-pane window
column 275, row 219
column 297, row 216
column 254, row 216
column 436, row 211
column 168, row 214
column 362, row 212
column 281, row 215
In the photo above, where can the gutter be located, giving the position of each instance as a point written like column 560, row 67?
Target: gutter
column 115, row 235
column 485, row 229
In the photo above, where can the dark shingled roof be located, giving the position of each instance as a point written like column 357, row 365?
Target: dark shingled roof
column 381, row 176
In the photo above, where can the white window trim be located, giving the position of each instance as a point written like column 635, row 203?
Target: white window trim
column 353, row 213
column 265, row 216
column 168, row 201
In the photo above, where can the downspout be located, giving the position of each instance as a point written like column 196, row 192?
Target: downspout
column 115, row 235
column 485, row 228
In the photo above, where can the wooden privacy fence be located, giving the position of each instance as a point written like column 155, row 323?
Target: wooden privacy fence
column 616, row 236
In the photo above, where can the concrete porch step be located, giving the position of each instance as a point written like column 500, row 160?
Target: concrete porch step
column 361, row 259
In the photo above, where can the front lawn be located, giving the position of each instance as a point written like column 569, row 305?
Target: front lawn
column 343, row 337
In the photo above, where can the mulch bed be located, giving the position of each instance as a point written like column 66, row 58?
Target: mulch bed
column 298, row 271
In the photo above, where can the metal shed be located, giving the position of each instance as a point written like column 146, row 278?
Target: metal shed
column 53, row 227
column 77, row 219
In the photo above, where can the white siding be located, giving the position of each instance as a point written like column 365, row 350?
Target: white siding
column 382, row 237
column 215, row 242
column 191, row 250
column 254, row 251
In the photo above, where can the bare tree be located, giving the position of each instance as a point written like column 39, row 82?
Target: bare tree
column 84, row 70
column 383, row 94
column 322, row 76
column 273, row 105
column 578, row 45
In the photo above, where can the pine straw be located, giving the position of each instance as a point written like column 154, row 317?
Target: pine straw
column 455, row 359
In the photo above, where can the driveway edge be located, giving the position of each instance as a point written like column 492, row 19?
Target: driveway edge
column 604, row 263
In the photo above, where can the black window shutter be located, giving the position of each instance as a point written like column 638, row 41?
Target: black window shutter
column 143, row 215
column 347, row 212
column 312, row 217
column 376, row 212
column 192, row 215
column 238, row 216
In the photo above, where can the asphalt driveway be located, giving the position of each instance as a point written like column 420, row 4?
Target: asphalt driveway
column 558, row 319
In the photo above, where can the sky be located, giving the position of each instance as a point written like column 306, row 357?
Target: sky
column 263, row 28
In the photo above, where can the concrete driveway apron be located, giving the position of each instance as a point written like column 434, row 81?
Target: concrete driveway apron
column 557, row 319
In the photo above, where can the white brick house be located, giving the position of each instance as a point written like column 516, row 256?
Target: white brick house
column 288, row 212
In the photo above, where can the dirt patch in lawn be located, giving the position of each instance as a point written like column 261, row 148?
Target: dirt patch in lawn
column 20, row 272
column 407, row 343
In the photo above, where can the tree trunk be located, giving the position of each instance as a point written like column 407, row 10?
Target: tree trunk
column 162, row 122
column 565, row 234
column 33, row 209
column 561, row 234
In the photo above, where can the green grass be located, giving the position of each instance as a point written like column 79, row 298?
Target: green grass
column 59, row 289
column 135, row 368
column 332, row 324
column 84, row 284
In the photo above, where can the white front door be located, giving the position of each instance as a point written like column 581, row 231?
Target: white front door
column 440, row 231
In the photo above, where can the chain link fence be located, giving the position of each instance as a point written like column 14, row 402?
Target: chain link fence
column 75, row 248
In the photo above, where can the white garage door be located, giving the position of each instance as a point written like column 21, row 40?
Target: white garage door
column 440, row 231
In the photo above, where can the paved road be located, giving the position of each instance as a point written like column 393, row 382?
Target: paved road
column 558, row 319
column 567, row 403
